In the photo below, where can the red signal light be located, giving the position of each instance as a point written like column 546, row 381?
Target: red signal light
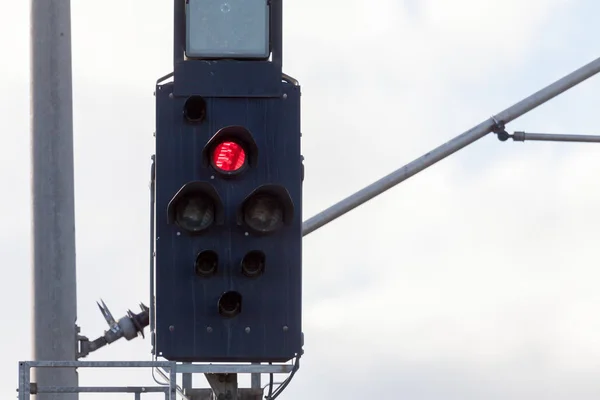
column 229, row 157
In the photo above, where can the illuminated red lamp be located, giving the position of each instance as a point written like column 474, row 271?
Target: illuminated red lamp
column 231, row 151
column 228, row 157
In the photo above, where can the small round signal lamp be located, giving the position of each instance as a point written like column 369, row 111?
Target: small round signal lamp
column 230, row 304
column 253, row 264
column 206, row 263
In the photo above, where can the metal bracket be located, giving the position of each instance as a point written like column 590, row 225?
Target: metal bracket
column 129, row 327
column 499, row 130
column 289, row 79
column 519, row 136
column 225, row 386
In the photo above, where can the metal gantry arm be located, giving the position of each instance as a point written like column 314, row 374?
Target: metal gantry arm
column 494, row 123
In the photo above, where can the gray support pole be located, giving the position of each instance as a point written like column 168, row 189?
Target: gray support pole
column 448, row 148
column 53, row 225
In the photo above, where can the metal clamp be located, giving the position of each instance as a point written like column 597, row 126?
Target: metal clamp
column 499, row 129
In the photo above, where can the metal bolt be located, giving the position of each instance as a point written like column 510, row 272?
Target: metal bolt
column 246, row 234
column 171, row 328
column 170, row 95
column 212, row 177
column 285, row 96
column 247, row 329
column 209, row 329
column 285, row 328
column 178, row 233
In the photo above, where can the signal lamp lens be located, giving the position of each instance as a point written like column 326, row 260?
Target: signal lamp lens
column 195, row 214
column 207, row 263
column 264, row 213
column 229, row 157
column 253, row 264
column 230, row 304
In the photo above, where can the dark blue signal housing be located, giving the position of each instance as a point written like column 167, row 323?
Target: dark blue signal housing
column 228, row 212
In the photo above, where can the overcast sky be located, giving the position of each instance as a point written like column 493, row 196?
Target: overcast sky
column 476, row 279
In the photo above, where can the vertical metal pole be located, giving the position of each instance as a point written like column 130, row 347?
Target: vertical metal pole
column 255, row 380
column 173, row 382
column 186, row 381
column 24, row 381
column 277, row 31
column 178, row 30
column 53, row 225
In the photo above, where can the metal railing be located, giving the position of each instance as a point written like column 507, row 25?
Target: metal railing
column 170, row 389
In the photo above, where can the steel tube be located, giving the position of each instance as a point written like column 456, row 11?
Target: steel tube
column 53, row 197
column 448, row 148
column 100, row 364
column 554, row 137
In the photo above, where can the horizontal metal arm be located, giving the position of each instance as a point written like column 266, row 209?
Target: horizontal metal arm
column 552, row 137
column 451, row 147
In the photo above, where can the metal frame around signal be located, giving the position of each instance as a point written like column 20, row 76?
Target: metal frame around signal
column 492, row 124
column 27, row 388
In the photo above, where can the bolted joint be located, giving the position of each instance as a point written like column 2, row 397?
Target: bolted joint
column 500, row 130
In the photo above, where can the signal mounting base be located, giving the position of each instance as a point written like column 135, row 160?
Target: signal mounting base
column 225, row 387
column 207, row 394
